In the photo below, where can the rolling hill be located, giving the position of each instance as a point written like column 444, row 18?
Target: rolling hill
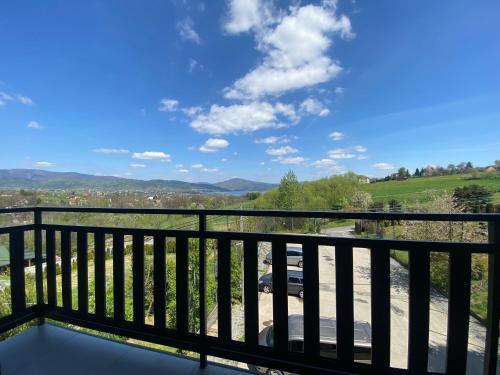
column 41, row 179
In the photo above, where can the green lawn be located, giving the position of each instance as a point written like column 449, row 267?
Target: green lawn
column 409, row 190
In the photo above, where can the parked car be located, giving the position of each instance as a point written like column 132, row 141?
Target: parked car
column 293, row 256
column 295, row 283
column 328, row 340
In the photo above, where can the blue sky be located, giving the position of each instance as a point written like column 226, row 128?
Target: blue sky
column 209, row 90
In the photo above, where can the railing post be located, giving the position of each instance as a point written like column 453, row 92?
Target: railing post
column 37, row 220
column 202, row 228
column 492, row 319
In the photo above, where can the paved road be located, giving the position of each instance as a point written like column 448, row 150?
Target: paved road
column 399, row 308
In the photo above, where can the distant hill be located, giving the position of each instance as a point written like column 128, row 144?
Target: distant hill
column 240, row 184
column 41, row 179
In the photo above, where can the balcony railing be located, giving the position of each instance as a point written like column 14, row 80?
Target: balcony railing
column 249, row 351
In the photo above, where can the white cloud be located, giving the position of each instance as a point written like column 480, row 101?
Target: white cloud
column 314, row 107
column 360, row 148
column 192, row 111
column 295, row 47
column 24, row 100
column 341, row 153
column 187, row 31
column 244, row 15
column 272, row 140
column 280, row 151
column 134, row 165
column 44, row 164
column 339, row 90
column 361, row 157
column 290, row 160
column 183, row 170
column 197, row 166
column 383, row 166
column 336, row 136
column 262, row 163
column 168, row 105
column 223, row 160
column 110, row 151
column 152, row 155
column 34, row 125
column 6, row 97
column 244, row 118
column 211, row 170
column 214, row 145
column 324, row 163
column 193, row 65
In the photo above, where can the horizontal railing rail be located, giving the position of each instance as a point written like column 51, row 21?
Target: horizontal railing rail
column 70, row 240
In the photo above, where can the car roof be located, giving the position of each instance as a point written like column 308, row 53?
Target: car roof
column 328, row 330
column 294, row 247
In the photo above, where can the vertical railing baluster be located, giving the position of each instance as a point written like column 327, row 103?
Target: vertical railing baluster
column 380, row 308
column 159, row 275
column 344, row 290
column 37, row 220
column 118, row 277
column 181, row 284
column 17, row 284
column 66, row 268
column 202, row 228
column 83, row 274
column 250, row 252
column 100, row 273
column 50, row 243
column 311, row 300
column 138, row 278
column 418, row 325
column 280, row 296
column 458, row 311
column 224, row 288
column 493, row 317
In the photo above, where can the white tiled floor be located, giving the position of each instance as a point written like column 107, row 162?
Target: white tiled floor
column 54, row 350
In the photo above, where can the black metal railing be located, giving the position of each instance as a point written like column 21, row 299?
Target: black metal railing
column 249, row 351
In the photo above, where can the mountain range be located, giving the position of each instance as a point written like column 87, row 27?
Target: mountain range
column 41, row 179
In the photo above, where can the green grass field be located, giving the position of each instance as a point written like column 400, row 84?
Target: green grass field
column 410, row 190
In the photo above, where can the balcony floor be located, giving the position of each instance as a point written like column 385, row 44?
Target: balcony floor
column 50, row 349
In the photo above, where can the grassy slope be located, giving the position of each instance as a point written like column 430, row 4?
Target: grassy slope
column 410, row 189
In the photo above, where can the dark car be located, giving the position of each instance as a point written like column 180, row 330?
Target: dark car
column 295, row 283
column 293, row 256
column 328, row 340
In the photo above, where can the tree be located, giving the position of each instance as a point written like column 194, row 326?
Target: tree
column 361, row 200
column 288, row 192
column 417, row 173
column 472, row 198
column 402, row 172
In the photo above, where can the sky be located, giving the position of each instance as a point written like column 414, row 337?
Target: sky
column 211, row 90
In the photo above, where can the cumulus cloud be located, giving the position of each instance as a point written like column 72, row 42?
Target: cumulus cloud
column 294, row 46
column 244, row 118
column 187, row 31
column 193, row 65
column 214, row 145
column 360, row 148
column 272, row 140
column 135, row 165
column 34, row 125
column 324, row 163
column 383, row 166
column 280, row 151
column 197, row 166
column 152, row 155
column 295, row 160
column 192, row 111
column 209, row 170
column 182, row 170
column 168, row 105
column 44, row 164
column 110, row 151
column 336, row 136
column 24, row 100
column 341, row 153
column 314, row 107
